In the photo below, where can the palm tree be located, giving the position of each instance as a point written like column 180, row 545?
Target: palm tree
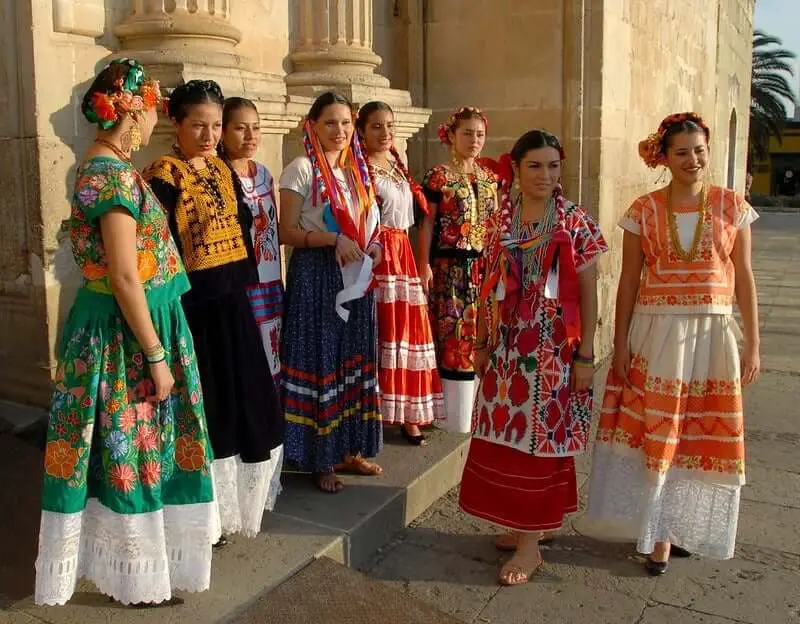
column 769, row 88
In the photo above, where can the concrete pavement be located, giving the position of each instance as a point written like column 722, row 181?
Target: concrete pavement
column 448, row 559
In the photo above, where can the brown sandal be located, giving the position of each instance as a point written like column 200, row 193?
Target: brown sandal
column 515, row 574
column 360, row 466
column 507, row 542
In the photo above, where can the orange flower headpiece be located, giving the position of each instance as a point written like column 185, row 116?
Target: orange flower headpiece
column 452, row 121
column 651, row 149
column 130, row 94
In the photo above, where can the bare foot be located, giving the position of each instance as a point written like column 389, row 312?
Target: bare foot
column 328, row 482
column 355, row 464
column 525, row 562
column 660, row 552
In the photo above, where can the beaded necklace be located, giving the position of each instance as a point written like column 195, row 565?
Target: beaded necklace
column 533, row 258
column 210, row 181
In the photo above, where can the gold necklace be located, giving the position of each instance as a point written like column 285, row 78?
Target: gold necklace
column 119, row 153
column 686, row 256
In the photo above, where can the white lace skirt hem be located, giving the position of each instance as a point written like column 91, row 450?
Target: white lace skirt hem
column 694, row 513
column 244, row 490
column 130, row 557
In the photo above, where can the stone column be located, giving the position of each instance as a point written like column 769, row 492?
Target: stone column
column 181, row 40
column 332, row 44
column 331, row 49
column 199, row 31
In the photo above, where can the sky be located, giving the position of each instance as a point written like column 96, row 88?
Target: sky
column 781, row 18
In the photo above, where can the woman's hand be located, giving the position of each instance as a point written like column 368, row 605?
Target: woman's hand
column 376, row 253
column 751, row 365
column 425, row 276
column 347, row 251
column 581, row 377
column 622, row 361
column 163, row 380
column 481, row 360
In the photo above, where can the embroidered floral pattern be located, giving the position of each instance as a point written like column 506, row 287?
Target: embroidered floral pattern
column 103, row 184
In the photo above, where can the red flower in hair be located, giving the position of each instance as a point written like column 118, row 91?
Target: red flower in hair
column 103, row 106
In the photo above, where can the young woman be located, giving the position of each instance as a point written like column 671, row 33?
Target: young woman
column 534, row 356
column 329, row 343
column 128, row 462
column 411, row 390
column 211, row 224
column 241, row 137
column 669, row 456
column 462, row 195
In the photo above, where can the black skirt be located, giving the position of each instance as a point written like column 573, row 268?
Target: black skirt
column 242, row 407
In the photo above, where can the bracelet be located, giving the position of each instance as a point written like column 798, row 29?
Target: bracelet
column 155, row 354
column 305, row 240
column 579, row 360
column 336, row 242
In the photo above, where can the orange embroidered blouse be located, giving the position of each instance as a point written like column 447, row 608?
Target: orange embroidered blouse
column 672, row 285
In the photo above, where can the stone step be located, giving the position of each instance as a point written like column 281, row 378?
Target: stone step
column 307, row 524
column 326, row 592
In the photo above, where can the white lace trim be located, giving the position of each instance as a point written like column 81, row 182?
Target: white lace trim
column 693, row 513
column 393, row 288
column 130, row 557
column 400, row 408
column 244, row 490
column 405, row 356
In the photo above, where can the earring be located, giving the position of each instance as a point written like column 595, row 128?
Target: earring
column 516, row 185
column 136, row 136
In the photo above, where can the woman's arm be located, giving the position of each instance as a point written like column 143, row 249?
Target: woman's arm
column 290, row 232
column 424, row 240
column 118, row 229
column 628, row 289
column 745, row 286
column 587, row 280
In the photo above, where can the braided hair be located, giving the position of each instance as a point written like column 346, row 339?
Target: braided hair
column 192, row 93
column 420, row 202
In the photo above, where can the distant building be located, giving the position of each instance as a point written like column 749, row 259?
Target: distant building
column 779, row 174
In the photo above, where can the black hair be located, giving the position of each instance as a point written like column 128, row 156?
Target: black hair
column 367, row 110
column 106, row 81
column 192, row 93
column 233, row 104
column 535, row 139
column 679, row 127
column 323, row 101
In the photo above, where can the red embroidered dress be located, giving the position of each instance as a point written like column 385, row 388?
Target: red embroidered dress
column 669, row 456
column 527, row 425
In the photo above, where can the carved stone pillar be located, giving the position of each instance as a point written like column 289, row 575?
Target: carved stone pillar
column 331, row 49
column 332, row 44
column 197, row 31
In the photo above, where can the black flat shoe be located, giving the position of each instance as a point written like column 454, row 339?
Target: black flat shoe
column 656, row 568
column 222, row 541
column 677, row 551
column 418, row 440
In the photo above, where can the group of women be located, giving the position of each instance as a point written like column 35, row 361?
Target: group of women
column 187, row 377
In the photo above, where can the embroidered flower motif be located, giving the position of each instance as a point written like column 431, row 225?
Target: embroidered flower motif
column 150, row 473
column 127, row 419
column 60, row 459
column 122, row 477
column 117, row 445
column 190, row 455
column 146, row 439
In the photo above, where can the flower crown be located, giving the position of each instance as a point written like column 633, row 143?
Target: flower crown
column 651, row 149
column 132, row 93
column 452, row 121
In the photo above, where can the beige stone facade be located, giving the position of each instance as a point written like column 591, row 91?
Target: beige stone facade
column 599, row 73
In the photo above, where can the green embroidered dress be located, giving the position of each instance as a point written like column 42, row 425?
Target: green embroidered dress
column 128, row 500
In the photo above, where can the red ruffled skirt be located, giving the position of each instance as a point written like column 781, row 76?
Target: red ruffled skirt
column 411, row 390
column 515, row 490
